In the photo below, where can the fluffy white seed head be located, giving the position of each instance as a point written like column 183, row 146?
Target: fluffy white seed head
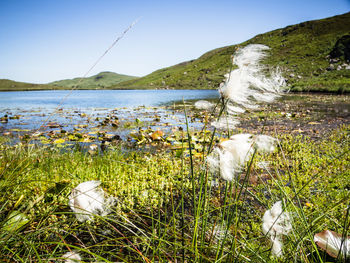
column 250, row 55
column 248, row 85
column 203, row 105
column 228, row 122
column 275, row 224
column 71, row 257
column 265, row 143
column 87, row 199
column 230, row 155
column 277, row 246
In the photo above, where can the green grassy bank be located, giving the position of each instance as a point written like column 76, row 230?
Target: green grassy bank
column 169, row 208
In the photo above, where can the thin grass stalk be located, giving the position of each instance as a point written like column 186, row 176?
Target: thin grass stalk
column 182, row 204
column 198, row 216
column 174, row 221
column 159, row 229
column 194, row 237
column 205, row 214
column 223, row 214
column 237, row 198
column 191, row 160
column 214, row 131
column 344, row 237
column 14, row 253
column 303, row 216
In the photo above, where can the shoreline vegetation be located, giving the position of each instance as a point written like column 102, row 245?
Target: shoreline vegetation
column 313, row 57
column 202, row 195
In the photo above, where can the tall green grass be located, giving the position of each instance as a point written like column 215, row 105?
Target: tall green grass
column 170, row 208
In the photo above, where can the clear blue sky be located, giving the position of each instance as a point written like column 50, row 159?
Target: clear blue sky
column 43, row 41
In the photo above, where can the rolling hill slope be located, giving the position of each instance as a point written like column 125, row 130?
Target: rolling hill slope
column 103, row 80
column 10, row 85
column 312, row 56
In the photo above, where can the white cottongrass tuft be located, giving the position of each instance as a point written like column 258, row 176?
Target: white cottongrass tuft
column 225, row 123
column 333, row 243
column 248, row 84
column 230, row 155
column 265, row 143
column 203, row 105
column 275, row 224
column 71, row 257
column 89, row 199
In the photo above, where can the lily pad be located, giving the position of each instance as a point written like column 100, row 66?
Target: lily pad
column 157, row 135
column 57, row 141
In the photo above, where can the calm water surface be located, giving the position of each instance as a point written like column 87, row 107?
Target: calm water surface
column 85, row 111
column 30, row 110
column 89, row 99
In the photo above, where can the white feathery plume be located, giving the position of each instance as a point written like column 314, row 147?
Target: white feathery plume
column 275, row 224
column 250, row 55
column 87, row 199
column 230, row 155
column 265, row 143
column 248, row 81
column 233, row 109
column 333, row 243
column 71, row 257
column 225, row 122
column 248, row 85
column 203, row 105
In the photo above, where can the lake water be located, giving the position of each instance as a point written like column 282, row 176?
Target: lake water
column 89, row 99
column 83, row 110
column 49, row 114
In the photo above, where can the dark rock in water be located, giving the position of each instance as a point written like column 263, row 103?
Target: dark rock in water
column 342, row 48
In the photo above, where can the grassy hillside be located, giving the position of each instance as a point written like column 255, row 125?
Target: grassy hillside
column 10, row 85
column 308, row 54
column 102, row 80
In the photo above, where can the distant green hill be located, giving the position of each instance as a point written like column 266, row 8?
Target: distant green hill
column 102, row 80
column 10, row 85
column 312, row 56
